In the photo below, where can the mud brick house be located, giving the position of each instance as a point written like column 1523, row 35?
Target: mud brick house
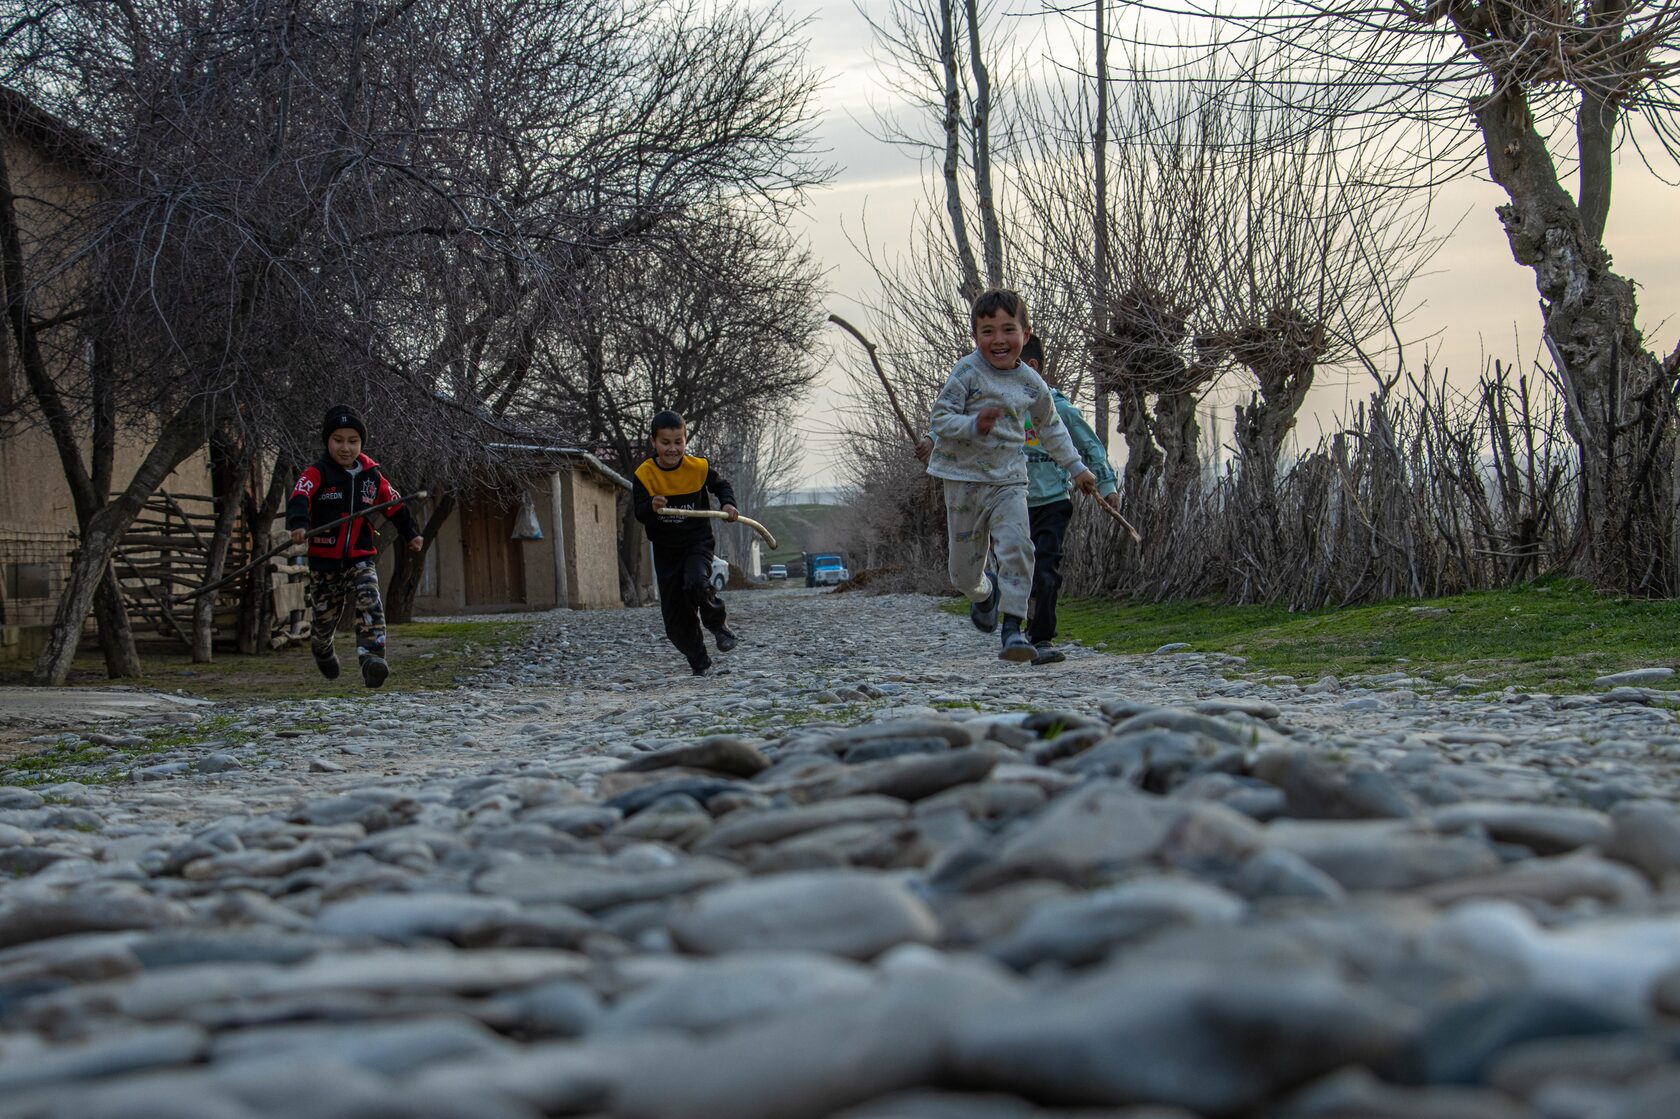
column 477, row 563
column 49, row 178
column 482, row 561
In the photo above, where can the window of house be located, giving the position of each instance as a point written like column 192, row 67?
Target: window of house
column 28, row 580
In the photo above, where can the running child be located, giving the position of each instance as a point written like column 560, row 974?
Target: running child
column 1049, row 509
column 979, row 423
column 683, row 546
column 341, row 560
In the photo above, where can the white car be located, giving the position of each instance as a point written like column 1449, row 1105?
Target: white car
column 720, row 573
column 776, row 571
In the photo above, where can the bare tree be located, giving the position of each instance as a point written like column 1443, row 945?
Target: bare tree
column 717, row 321
column 939, row 60
column 1552, row 92
column 232, row 204
column 45, row 303
column 1245, row 238
column 277, row 186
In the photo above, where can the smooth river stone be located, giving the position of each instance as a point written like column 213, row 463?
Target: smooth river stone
column 407, row 916
column 844, row 913
column 591, row 887
column 740, row 829
column 711, row 994
column 1548, row 830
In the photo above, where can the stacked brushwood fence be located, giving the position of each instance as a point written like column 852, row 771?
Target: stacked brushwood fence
column 165, row 554
column 1427, row 489
column 1430, row 493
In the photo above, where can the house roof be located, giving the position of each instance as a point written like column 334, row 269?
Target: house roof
column 573, row 456
column 22, row 118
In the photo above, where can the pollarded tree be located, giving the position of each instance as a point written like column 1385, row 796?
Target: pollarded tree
column 1245, row 240
column 1539, row 93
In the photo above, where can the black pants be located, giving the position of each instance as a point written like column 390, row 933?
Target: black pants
column 686, row 599
column 1048, row 525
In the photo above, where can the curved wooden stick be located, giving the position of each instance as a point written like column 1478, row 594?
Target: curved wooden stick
column 720, row 515
column 1124, row 523
column 869, row 348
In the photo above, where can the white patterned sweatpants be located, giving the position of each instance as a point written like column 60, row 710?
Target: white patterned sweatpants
column 982, row 517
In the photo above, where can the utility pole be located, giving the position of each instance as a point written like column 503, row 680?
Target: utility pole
column 1099, row 251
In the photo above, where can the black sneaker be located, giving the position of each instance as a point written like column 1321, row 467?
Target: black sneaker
column 1047, row 653
column 1015, row 646
column 328, row 666
column 725, row 638
column 374, row 671
column 984, row 614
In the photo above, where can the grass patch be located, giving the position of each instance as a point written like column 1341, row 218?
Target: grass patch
column 424, row 656
column 216, row 727
column 1554, row 635
column 49, row 766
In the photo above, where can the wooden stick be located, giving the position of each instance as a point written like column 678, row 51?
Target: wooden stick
column 720, row 515
column 1124, row 523
column 287, row 543
column 869, row 347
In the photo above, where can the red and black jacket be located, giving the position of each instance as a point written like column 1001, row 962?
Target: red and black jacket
column 326, row 492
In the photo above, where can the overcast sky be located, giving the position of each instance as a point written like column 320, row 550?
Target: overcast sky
column 1476, row 301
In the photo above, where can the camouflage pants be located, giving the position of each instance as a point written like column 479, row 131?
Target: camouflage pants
column 982, row 518
column 359, row 586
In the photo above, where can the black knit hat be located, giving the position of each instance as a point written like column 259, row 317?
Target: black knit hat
column 342, row 415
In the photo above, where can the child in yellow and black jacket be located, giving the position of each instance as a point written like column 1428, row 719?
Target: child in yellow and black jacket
column 683, row 546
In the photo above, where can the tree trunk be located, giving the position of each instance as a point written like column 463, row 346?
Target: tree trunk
column 1142, row 456
column 991, row 239
column 256, row 592
column 116, row 636
column 1178, row 435
column 632, row 545
column 183, row 434
column 1258, row 433
column 1099, row 227
column 230, row 496
column 1615, row 392
column 968, row 284
column 410, row 566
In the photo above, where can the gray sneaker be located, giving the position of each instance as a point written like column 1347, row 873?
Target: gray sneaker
column 984, row 614
column 1015, row 646
column 1047, row 653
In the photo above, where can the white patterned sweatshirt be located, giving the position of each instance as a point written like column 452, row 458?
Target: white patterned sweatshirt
column 962, row 454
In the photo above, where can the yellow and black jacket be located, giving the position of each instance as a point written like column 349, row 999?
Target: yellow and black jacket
column 684, row 486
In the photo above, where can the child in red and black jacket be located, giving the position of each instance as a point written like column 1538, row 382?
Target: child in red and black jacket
column 341, row 559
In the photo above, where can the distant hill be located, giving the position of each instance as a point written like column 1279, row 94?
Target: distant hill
column 820, row 495
column 793, row 526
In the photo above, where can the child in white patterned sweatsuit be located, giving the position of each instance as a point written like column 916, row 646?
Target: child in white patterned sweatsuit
column 979, row 454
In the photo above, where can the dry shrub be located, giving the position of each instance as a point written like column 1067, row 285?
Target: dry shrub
column 1431, row 493
column 881, row 580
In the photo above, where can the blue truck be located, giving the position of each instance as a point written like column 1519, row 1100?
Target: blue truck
column 825, row 569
